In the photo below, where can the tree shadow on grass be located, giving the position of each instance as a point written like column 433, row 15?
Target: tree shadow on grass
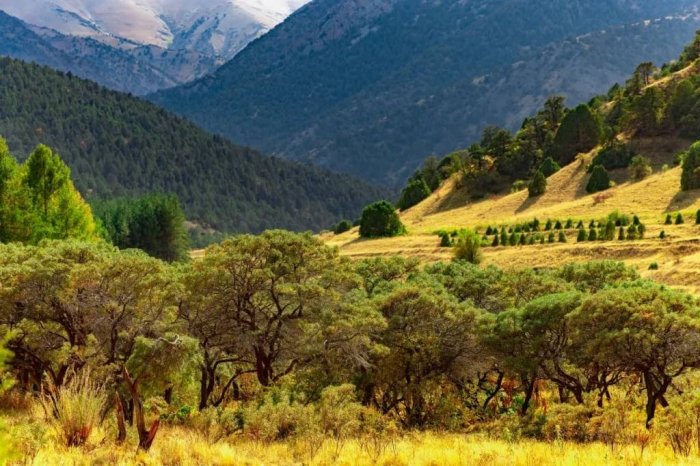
column 682, row 200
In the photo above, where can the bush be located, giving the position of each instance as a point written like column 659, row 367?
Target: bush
column 76, row 408
column 445, row 241
column 654, row 266
column 566, row 422
column 662, row 235
column 562, row 237
column 621, row 235
column 679, row 219
column 580, row 131
column 592, row 234
column 551, row 237
column 697, row 217
column 549, row 167
column 342, row 227
column 468, row 247
column 380, row 220
column 519, row 185
column 599, row 180
column 538, row 185
column 616, row 155
column 669, row 220
column 680, row 423
column 581, row 235
column 415, row 192
column 640, row 167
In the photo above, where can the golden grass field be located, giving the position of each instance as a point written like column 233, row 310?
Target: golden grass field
column 185, row 447
column 678, row 256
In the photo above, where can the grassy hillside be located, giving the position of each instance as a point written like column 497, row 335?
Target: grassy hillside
column 118, row 145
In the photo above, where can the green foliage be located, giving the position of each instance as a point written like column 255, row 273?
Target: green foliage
column 581, row 235
column 538, row 185
column 613, row 156
column 697, row 217
column 549, row 167
column 380, row 220
column 599, row 180
column 468, row 247
column 342, row 227
column 562, row 237
column 654, row 266
column 415, row 191
column 154, row 224
column 580, row 131
column 690, row 178
column 662, row 235
column 38, row 200
column 640, row 167
column 669, row 220
column 679, row 219
column 121, row 146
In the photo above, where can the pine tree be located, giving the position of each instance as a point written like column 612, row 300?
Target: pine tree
column 669, row 220
column 548, row 226
column 621, row 235
column 495, row 242
column 697, row 217
column 562, row 237
column 513, row 240
column 558, row 225
column 690, row 178
column 632, row 233
column 679, row 219
column 662, row 235
column 580, row 131
column 538, row 185
column 599, row 180
column 592, row 235
column 581, row 235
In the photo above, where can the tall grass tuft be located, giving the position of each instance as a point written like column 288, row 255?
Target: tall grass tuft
column 75, row 407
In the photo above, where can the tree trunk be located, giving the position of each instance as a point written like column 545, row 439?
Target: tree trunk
column 499, row 384
column 121, row 425
column 146, row 436
column 530, row 390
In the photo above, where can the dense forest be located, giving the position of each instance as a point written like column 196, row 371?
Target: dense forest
column 117, row 145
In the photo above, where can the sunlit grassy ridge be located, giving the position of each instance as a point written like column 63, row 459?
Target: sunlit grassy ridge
column 678, row 256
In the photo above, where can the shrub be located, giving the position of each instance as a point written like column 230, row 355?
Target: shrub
column 548, row 226
column 558, row 225
column 580, row 224
column 640, row 168
column 496, row 241
column 415, row 191
column 599, row 180
column 632, row 233
column 566, row 422
column 569, row 224
column 538, row 185
column 680, row 423
column 679, row 219
column 562, row 237
column 697, row 217
column 380, row 220
column 669, row 220
column 446, row 241
column 76, row 407
column 592, row 234
column 641, row 230
column 690, row 178
column 342, row 227
column 662, row 235
column 519, row 185
column 621, row 235
column 581, row 235
column 616, row 155
column 468, row 247
column 654, row 266
column 551, row 237
column 549, row 167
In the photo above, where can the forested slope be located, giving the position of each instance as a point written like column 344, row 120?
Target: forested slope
column 119, row 145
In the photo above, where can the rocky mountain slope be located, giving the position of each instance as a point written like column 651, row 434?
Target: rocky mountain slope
column 142, row 46
column 373, row 87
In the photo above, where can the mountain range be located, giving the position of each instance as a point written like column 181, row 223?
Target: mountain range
column 136, row 46
column 371, row 87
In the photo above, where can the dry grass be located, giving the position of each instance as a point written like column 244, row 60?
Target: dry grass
column 651, row 199
column 185, row 447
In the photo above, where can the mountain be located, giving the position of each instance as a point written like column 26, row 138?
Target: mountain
column 118, row 145
column 372, row 87
column 138, row 47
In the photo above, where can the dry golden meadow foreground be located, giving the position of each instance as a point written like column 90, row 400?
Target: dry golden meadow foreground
column 677, row 256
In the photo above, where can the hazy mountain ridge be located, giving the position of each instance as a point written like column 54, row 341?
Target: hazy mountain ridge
column 371, row 88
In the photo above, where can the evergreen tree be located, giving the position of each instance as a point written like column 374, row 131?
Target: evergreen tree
column 599, row 180
column 679, row 219
column 548, row 226
column 669, row 220
column 581, row 235
column 562, row 237
column 342, row 227
column 697, row 217
column 513, row 240
column 549, row 167
column 415, row 191
column 592, row 234
column 580, row 131
column 641, row 230
column 569, row 224
column 380, row 220
column 495, row 242
column 632, row 233
column 662, row 235
column 551, row 237
column 538, row 185
column 468, row 247
column 558, row 225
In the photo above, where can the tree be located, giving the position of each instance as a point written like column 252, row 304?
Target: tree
column 342, row 227
column 549, row 167
column 640, row 167
column 690, row 178
column 154, row 223
column 581, row 235
column 580, row 131
column 468, row 247
column 251, row 300
column 538, row 185
column 416, row 191
column 46, row 176
column 679, row 219
column 599, row 180
column 643, row 329
column 429, row 339
column 380, row 220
